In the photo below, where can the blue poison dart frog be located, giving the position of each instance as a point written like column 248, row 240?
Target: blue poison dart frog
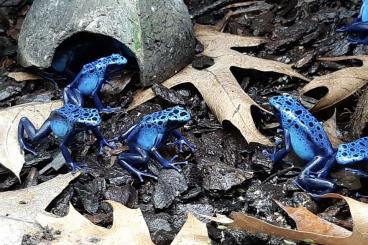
column 359, row 26
column 307, row 138
column 148, row 135
column 63, row 123
column 90, row 79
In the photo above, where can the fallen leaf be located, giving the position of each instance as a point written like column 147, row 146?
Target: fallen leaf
column 340, row 84
column 129, row 227
column 23, row 76
column 19, row 208
column 192, row 232
column 311, row 228
column 11, row 156
column 331, row 130
column 218, row 86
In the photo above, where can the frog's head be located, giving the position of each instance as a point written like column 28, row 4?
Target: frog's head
column 282, row 103
column 176, row 117
column 116, row 59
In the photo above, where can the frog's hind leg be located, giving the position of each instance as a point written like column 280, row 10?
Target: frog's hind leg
column 313, row 178
column 34, row 135
column 136, row 157
column 72, row 96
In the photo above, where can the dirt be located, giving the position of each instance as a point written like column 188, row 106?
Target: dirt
column 225, row 174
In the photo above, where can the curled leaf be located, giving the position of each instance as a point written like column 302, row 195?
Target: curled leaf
column 23, row 76
column 340, row 84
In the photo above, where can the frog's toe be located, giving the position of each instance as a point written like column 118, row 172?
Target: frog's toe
column 343, row 29
column 28, row 148
column 358, row 40
column 146, row 174
column 267, row 154
column 108, row 110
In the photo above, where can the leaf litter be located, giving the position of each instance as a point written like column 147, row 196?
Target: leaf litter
column 226, row 99
column 19, row 208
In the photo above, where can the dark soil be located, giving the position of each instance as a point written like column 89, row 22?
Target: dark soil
column 225, row 174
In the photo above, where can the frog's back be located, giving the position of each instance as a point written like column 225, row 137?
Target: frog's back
column 352, row 152
column 308, row 137
column 149, row 129
column 77, row 114
column 91, row 76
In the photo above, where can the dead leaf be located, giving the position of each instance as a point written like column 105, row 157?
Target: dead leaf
column 19, row 208
column 311, row 228
column 23, row 76
column 11, row 156
column 331, row 130
column 218, row 86
column 340, row 84
column 192, row 232
column 128, row 226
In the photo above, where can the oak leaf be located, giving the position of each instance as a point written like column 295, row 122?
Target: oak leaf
column 340, row 84
column 218, row 86
column 311, row 228
column 19, row 208
column 11, row 156
column 128, row 227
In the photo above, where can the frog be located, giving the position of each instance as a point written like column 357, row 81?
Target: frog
column 303, row 134
column 63, row 123
column 90, row 79
column 359, row 26
column 146, row 137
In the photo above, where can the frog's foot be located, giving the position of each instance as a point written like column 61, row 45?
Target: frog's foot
column 358, row 40
column 138, row 173
column 171, row 164
column 109, row 109
column 314, row 185
column 358, row 195
column 27, row 147
column 359, row 173
column 344, row 29
column 75, row 167
column 104, row 143
column 180, row 143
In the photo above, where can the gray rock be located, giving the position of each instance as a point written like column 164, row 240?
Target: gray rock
column 157, row 32
column 182, row 210
column 10, row 88
column 218, row 176
column 170, row 184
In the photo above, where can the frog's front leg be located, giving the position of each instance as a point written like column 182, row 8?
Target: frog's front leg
column 279, row 154
column 100, row 107
column 72, row 96
column 182, row 141
column 34, row 135
column 137, row 156
column 123, row 136
column 312, row 178
column 100, row 140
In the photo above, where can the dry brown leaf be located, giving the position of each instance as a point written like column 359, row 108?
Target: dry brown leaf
column 218, row 86
column 312, row 229
column 331, row 130
column 19, row 208
column 23, row 76
column 11, row 156
column 128, row 227
column 340, row 84
column 192, row 232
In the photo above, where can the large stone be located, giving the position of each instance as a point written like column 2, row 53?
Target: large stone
column 158, row 33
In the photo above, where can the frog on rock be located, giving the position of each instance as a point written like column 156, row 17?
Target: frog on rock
column 359, row 25
column 63, row 123
column 90, row 79
column 306, row 137
column 147, row 136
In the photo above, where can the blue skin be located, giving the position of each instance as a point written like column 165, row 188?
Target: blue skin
column 64, row 123
column 306, row 137
column 89, row 82
column 147, row 136
column 359, row 25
